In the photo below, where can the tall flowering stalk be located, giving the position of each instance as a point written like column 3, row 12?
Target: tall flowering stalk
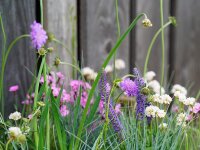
column 104, row 89
column 140, row 98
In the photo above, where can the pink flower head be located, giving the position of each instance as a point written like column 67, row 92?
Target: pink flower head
column 60, row 75
column 38, row 35
column 30, row 116
column 189, row 117
column 75, row 84
column 174, row 108
column 55, row 91
column 64, row 111
column 117, row 109
column 196, row 108
column 65, row 97
column 14, row 88
column 42, row 80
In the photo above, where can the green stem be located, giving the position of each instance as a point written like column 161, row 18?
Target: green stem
column 118, row 36
column 151, row 45
column 35, row 102
column 163, row 45
column 41, row 13
column 4, row 60
column 112, row 52
column 48, row 117
column 8, row 143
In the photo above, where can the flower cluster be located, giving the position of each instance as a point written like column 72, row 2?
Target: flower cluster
column 38, row 35
column 154, row 111
column 163, row 99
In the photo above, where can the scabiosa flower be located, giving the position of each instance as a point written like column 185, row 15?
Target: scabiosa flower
column 129, row 87
column 14, row 88
column 38, row 35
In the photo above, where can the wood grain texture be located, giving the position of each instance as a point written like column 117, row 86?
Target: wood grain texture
column 17, row 17
column 57, row 21
column 187, row 51
column 145, row 35
column 101, row 31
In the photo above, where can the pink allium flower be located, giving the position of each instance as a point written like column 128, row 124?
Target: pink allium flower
column 64, row 111
column 38, row 35
column 27, row 102
column 117, row 108
column 14, row 88
column 75, row 84
column 196, row 108
column 60, row 75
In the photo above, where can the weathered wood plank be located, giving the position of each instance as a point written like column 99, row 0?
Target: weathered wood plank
column 187, row 53
column 17, row 17
column 58, row 20
column 101, row 31
column 145, row 35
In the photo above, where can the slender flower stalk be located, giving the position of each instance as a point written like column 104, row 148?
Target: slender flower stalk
column 105, row 93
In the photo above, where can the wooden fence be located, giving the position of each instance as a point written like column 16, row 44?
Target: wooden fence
column 92, row 23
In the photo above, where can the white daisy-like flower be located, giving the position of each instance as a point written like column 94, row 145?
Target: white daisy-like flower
column 15, row 116
column 181, row 118
column 87, row 71
column 163, row 126
column 160, row 113
column 181, row 97
column 179, row 88
column 190, row 101
column 119, row 64
column 149, row 75
column 155, row 85
column 157, row 98
column 151, row 110
column 108, row 69
column 14, row 132
column 92, row 76
column 166, row 99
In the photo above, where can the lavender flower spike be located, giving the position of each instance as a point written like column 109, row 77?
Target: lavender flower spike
column 104, row 88
column 38, row 35
column 140, row 98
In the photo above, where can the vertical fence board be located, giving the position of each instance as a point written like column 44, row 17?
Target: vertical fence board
column 57, row 20
column 187, row 53
column 101, row 31
column 145, row 35
column 17, row 17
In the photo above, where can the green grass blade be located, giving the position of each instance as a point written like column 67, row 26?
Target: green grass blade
column 112, row 52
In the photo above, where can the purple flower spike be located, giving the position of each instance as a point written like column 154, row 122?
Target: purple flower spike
column 38, row 35
column 129, row 87
column 138, row 79
column 104, row 88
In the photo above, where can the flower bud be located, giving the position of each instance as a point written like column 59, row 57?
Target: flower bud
column 21, row 138
column 57, row 61
column 173, row 21
column 146, row 22
column 51, row 36
column 42, row 52
column 41, row 103
column 50, row 49
column 145, row 91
